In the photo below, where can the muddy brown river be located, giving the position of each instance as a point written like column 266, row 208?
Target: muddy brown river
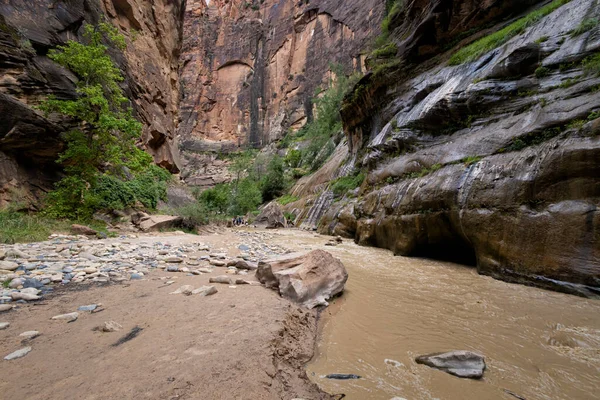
column 538, row 344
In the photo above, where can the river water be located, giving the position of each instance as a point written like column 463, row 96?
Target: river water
column 538, row 344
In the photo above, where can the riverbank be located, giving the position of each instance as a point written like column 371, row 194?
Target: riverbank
column 242, row 342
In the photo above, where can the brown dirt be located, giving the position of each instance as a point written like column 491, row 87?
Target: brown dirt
column 241, row 343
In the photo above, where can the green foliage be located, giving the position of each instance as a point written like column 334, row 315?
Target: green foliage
column 104, row 168
column 273, row 183
column 468, row 161
column 345, row 184
column 287, row 199
column 586, row 25
column 475, row 50
column 247, row 197
column 386, row 51
column 541, row 72
column 542, row 39
column 326, row 123
column 17, row 227
column 216, row 200
column 532, row 139
column 591, row 65
column 568, row 83
column 293, row 158
column 593, row 115
column 424, row 171
column 576, row 124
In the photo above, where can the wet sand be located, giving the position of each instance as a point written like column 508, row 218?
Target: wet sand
column 240, row 343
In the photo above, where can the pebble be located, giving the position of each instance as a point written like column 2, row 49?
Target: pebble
column 217, row 263
column 109, row 326
column 29, row 335
column 24, row 296
column 205, row 290
column 185, row 289
column 18, row 354
column 8, row 265
column 136, row 276
column 90, row 308
column 174, row 260
column 66, row 317
column 4, row 325
column 5, row 307
column 15, row 283
column 220, row 279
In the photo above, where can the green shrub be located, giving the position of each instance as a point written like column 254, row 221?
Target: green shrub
column 591, row 65
column 103, row 167
column 273, row 183
column 475, row 50
column 245, row 198
column 585, row 25
column 468, row 161
column 287, row 199
column 541, row 72
column 17, row 227
column 293, row 158
column 216, row 200
column 326, row 123
column 347, row 183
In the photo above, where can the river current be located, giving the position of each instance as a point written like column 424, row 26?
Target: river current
column 538, row 344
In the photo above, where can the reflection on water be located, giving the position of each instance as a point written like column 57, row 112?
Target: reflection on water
column 538, row 344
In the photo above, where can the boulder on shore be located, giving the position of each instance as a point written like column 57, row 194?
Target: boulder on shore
column 461, row 363
column 309, row 280
column 271, row 217
column 83, row 230
column 157, row 222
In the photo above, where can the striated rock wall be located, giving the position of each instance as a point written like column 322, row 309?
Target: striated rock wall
column 493, row 163
column 249, row 69
column 29, row 143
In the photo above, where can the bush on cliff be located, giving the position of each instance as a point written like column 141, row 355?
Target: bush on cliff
column 103, row 166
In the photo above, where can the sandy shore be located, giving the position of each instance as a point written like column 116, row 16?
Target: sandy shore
column 244, row 342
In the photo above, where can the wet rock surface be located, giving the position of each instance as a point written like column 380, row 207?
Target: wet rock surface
column 481, row 165
column 464, row 364
column 309, row 280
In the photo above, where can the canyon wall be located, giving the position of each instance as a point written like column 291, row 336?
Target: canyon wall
column 250, row 69
column 29, row 143
column 493, row 163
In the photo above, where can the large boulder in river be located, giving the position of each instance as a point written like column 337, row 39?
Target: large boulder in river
column 271, row 217
column 461, row 363
column 309, row 280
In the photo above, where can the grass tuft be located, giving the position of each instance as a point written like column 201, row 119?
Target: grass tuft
column 475, row 50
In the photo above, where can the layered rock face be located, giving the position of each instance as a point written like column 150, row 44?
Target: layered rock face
column 251, row 68
column 29, row 143
column 493, row 163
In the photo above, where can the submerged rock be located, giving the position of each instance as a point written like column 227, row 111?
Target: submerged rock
column 342, row 376
column 461, row 363
column 309, row 280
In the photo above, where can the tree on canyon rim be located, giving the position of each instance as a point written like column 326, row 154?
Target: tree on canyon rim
column 103, row 167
